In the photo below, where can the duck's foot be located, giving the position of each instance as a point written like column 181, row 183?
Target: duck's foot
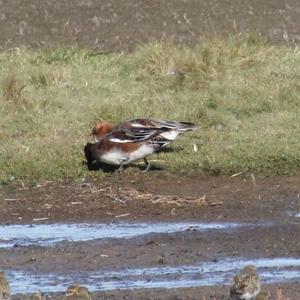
column 147, row 166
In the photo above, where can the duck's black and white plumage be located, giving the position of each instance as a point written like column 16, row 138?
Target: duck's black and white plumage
column 132, row 140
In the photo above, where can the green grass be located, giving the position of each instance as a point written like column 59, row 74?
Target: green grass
column 243, row 93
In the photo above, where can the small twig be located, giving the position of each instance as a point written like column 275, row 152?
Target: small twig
column 253, row 179
column 117, row 199
column 39, row 219
column 76, row 203
column 11, row 199
column 121, row 216
column 237, row 174
column 216, row 203
column 20, row 90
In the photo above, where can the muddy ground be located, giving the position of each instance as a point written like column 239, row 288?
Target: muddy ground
column 149, row 197
column 122, row 25
column 140, row 196
column 116, row 25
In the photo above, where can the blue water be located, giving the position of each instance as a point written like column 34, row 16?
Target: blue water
column 271, row 270
column 203, row 274
column 294, row 214
column 49, row 234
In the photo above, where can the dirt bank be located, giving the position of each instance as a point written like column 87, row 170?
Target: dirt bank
column 148, row 196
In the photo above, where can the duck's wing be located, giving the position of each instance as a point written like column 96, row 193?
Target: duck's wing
column 132, row 134
column 158, row 123
column 139, row 123
column 173, row 125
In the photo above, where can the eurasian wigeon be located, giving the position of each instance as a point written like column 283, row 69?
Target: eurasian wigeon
column 172, row 129
column 123, row 145
column 246, row 285
column 101, row 129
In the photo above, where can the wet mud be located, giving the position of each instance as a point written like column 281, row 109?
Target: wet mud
column 274, row 270
column 149, row 238
column 49, row 234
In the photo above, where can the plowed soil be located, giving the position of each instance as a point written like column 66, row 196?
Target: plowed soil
column 116, row 25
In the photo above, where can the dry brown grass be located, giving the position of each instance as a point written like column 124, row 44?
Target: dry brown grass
column 11, row 89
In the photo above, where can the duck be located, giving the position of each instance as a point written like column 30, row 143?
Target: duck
column 172, row 128
column 124, row 145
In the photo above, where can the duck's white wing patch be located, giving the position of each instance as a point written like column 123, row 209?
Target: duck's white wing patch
column 132, row 135
column 170, row 135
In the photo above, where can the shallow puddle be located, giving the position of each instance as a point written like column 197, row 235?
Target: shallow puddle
column 294, row 214
column 48, row 234
column 204, row 274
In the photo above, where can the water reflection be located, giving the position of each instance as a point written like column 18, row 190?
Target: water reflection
column 48, row 234
column 271, row 270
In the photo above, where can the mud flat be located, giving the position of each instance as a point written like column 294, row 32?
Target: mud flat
column 136, row 249
column 43, row 257
column 276, row 270
column 49, row 234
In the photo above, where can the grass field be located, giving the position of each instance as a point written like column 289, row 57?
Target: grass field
column 242, row 92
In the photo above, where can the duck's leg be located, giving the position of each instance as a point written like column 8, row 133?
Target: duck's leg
column 121, row 168
column 147, row 165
